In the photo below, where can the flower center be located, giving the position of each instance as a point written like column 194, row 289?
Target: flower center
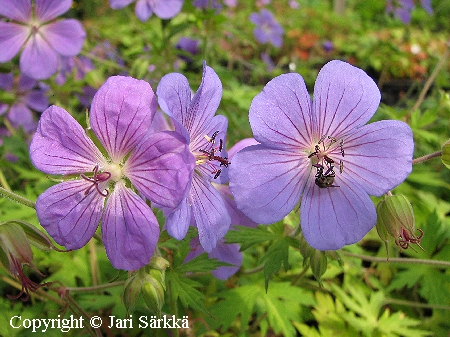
column 322, row 161
column 210, row 157
column 95, row 180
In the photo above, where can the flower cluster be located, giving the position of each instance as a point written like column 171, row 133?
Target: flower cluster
column 318, row 153
column 33, row 27
column 267, row 30
column 164, row 9
column 27, row 95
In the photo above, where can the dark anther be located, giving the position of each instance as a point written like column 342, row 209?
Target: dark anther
column 213, row 137
column 341, row 145
column 217, row 174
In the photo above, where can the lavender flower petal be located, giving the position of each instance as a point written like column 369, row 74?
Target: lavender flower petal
column 177, row 222
column 21, row 116
column 130, row 230
column 65, row 36
column 237, row 217
column 47, row 10
column 68, row 215
column 281, row 114
column 36, row 99
column 379, row 156
column 204, row 104
column 345, row 97
column 167, row 9
column 18, row 10
column 243, row 143
column 161, row 168
column 426, row 4
column 60, row 145
column 121, row 113
column 26, row 83
column 228, row 253
column 38, row 59
column 267, row 183
column 210, row 213
column 143, row 10
column 6, row 81
column 118, row 4
column 12, row 38
column 336, row 216
column 174, row 96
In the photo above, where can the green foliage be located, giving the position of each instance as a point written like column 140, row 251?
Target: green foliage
column 276, row 308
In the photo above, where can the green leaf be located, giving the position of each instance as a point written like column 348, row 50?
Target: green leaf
column 277, row 308
column 277, row 255
column 200, row 264
column 236, row 302
column 247, row 237
column 185, row 290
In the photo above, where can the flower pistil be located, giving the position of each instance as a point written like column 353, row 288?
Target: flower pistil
column 323, row 163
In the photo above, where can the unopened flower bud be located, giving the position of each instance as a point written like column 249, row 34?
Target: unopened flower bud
column 396, row 220
column 150, row 282
column 153, row 293
column 15, row 251
column 131, row 292
column 159, row 263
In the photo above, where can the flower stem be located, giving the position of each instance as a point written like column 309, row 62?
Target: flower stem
column 432, row 77
column 95, row 288
column 17, row 198
column 427, row 157
column 436, row 263
column 111, row 64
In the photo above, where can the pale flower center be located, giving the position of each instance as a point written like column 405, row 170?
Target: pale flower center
column 210, row 157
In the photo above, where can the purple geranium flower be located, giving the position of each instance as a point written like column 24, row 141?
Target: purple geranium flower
column 227, row 252
column 164, row 9
column 188, row 46
column 205, row 133
column 44, row 39
column 28, row 95
column 158, row 165
column 80, row 66
column 268, row 30
column 322, row 154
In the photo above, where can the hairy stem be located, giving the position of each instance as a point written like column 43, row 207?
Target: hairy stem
column 436, row 263
column 95, row 288
column 427, row 157
column 17, row 198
